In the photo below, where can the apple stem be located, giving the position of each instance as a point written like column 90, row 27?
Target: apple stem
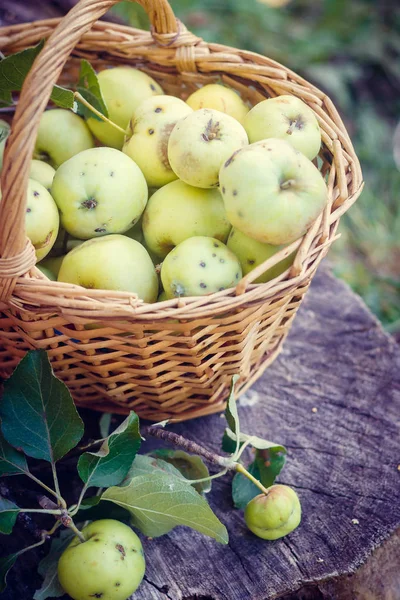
column 94, row 110
column 68, row 522
column 240, row 469
column 292, row 127
column 287, row 184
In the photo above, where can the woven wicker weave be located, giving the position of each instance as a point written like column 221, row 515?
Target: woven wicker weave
column 175, row 358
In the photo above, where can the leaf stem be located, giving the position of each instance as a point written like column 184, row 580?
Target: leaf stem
column 240, row 469
column 94, row 110
column 239, row 453
column 61, row 500
column 215, row 476
column 43, row 485
column 74, row 508
column 190, row 446
column 56, row 525
column 40, row 543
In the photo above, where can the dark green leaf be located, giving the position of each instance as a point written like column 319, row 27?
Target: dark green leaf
column 158, row 502
column 110, row 465
column 8, row 515
column 37, row 411
column 267, row 465
column 62, row 97
column 92, row 510
column 51, row 587
column 244, row 490
column 13, row 71
column 11, row 461
column 231, row 413
column 89, row 88
column 270, row 463
column 6, row 563
column 229, row 441
column 190, row 466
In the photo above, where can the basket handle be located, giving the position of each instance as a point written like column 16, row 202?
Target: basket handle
column 17, row 256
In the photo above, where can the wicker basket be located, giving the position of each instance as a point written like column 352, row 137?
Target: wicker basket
column 175, row 358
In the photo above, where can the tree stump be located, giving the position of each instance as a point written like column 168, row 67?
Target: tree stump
column 332, row 397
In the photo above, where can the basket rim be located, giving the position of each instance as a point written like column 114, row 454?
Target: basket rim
column 312, row 247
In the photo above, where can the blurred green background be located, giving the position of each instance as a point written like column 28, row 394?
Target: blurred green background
column 351, row 50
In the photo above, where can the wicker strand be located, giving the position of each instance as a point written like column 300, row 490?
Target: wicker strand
column 13, row 267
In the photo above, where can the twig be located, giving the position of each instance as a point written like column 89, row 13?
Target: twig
column 192, row 447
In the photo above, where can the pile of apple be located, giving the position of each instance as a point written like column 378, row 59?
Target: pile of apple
column 201, row 191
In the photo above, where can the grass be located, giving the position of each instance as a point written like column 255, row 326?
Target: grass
column 350, row 50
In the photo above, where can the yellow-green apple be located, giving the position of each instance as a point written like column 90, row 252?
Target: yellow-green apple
column 112, row 262
column 52, row 264
column 123, row 89
column 148, row 133
column 62, row 134
column 272, row 192
column 201, row 142
column 178, row 211
column 42, row 172
column 273, row 515
column 198, row 266
column 46, row 271
column 219, row 97
column 99, row 191
column 252, row 253
column 136, row 232
column 109, row 564
column 162, row 297
column 287, row 118
column 41, row 219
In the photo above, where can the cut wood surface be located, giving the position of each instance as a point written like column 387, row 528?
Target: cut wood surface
column 332, row 397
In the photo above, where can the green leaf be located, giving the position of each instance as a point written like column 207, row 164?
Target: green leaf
column 231, row 413
column 110, row 465
column 51, row 587
column 190, row 466
column 89, row 88
column 229, row 442
column 143, row 465
column 158, row 502
column 11, row 461
column 62, row 97
column 92, row 509
column 267, row 465
column 270, row 463
column 13, row 71
column 6, row 563
column 244, row 490
column 104, row 424
column 37, row 411
column 8, row 515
